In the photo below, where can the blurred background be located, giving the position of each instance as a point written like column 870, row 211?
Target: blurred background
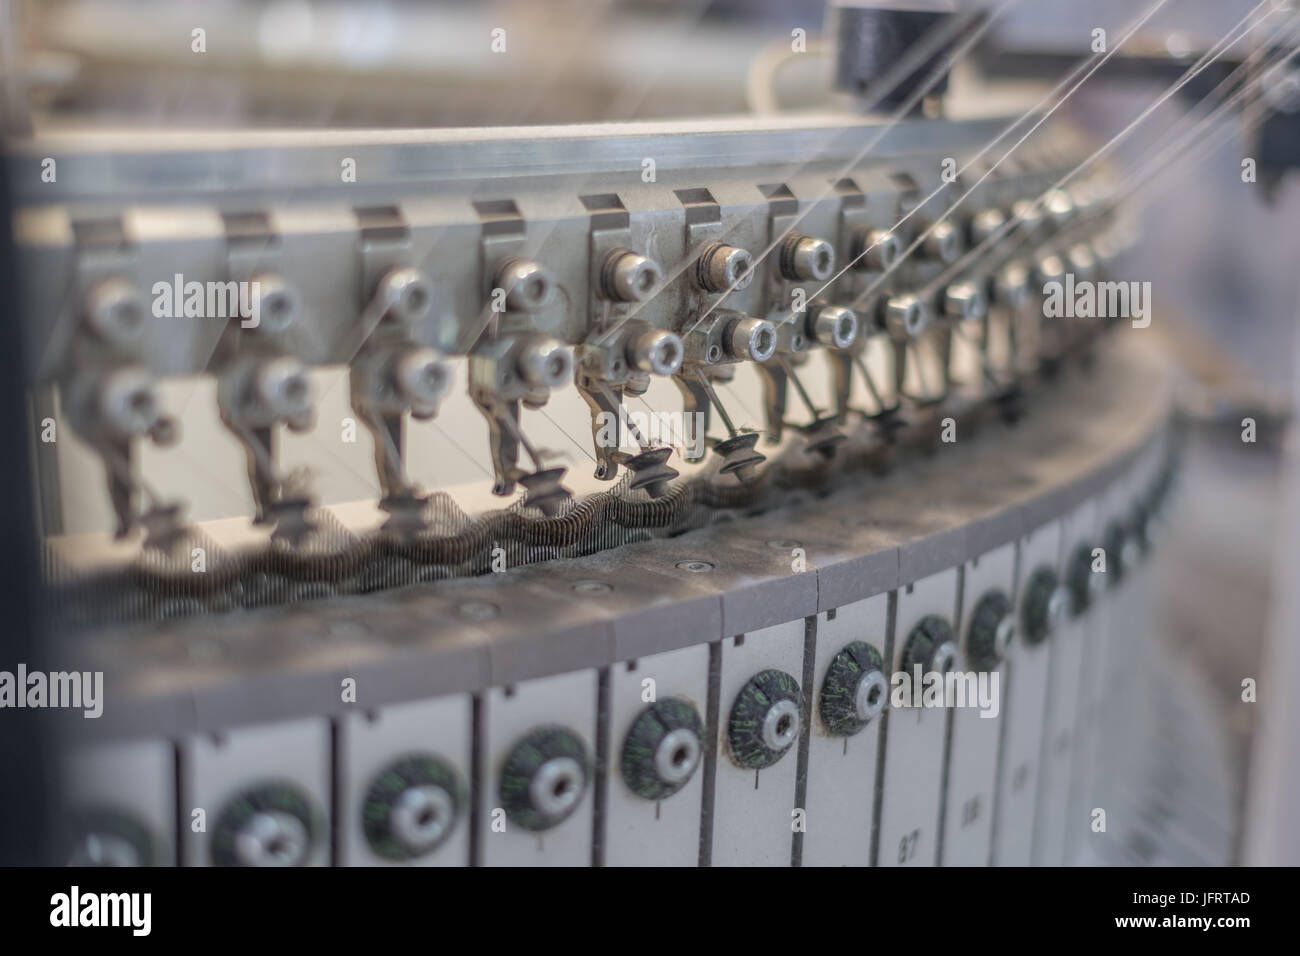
column 1221, row 254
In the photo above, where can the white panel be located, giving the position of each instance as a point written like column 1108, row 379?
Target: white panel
column 135, row 780
column 371, row 742
column 1025, row 709
column 840, row 799
column 1061, row 740
column 914, row 745
column 567, row 700
column 753, row 809
column 639, row 831
column 973, row 750
column 1095, row 682
column 217, row 770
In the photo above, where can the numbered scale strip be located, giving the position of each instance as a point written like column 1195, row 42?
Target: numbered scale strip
column 734, row 695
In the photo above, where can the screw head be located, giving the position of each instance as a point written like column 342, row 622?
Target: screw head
column 722, row 267
column 753, row 339
column 804, row 259
column 631, row 277
column 880, row 251
column 282, row 388
column 986, row 223
column 1029, row 216
column 1059, row 206
column 657, row 351
column 406, row 293
column 277, row 303
column 545, row 363
column 906, row 316
column 943, row 243
column 127, row 405
column 695, row 567
column 965, row 302
column 115, row 311
column 835, row 326
column 421, row 378
column 529, row 286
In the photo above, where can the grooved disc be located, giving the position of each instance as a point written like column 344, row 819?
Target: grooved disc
column 763, row 725
column 644, row 760
column 1078, row 578
column 553, row 759
column 412, row 774
column 839, row 703
column 982, row 643
column 273, row 798
column 102, row 836
column 1036, row 610
column 929, row 635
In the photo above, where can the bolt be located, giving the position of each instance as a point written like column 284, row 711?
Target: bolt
column 544, row 363
column 781, row 724
column 1050, row 268
column 657, row 351
column 752, row 338
column 1029, row 215
column 834, row 326
column 870, row 696
column 115, row 311
column 985, row 223
column 943, row 243
column 529, row 287
column 906, row 316
column 695, row 567
column 964, row 301
column 1082, row 261
column 804, row 258
column 126, row 402
column 722, row 267
column 880, row 251
column 420, row 378
column 406, row 294
column 277, row 303
column 1011, row 285
column 1059, row 205
column 628, row 277
column 677, row 756
column 281, row 387
column 272, row 838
